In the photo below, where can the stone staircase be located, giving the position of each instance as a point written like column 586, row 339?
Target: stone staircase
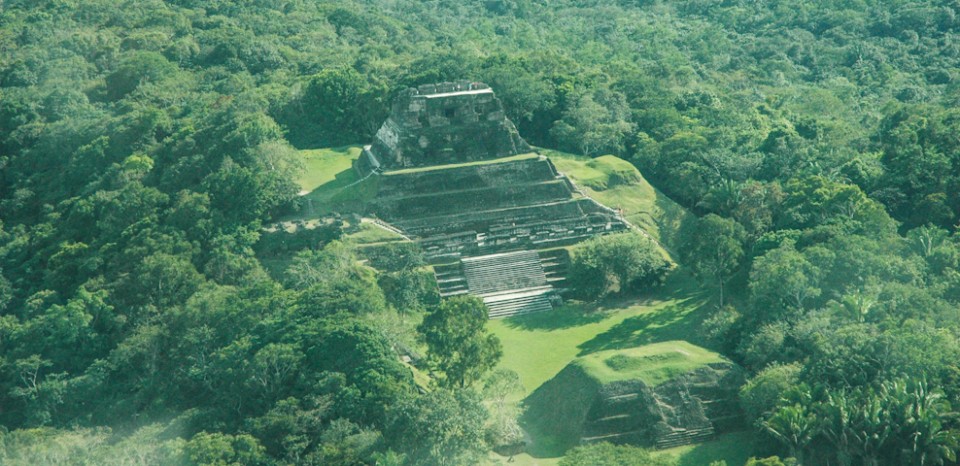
column 623, row 417
column 555, row 263
column 450, row 279
column 684, row 437
column 509, row 284
column 516, row 172
column 503, row 272
column 514, row 303
column 444, row 203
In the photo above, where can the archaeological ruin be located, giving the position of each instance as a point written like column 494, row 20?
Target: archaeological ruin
column 494, row 217
column 453, row 174
column 660, row 395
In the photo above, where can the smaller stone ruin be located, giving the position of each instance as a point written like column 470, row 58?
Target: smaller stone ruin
column 661, row 395
column 445, row 123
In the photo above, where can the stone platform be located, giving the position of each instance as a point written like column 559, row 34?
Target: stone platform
column 661, row 395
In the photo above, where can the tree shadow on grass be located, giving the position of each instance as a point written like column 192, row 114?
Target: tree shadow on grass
column 567, row 316
column 688, row 304
column 678, row 286
column 328, row 190
column 680, row 320
column 346, row 193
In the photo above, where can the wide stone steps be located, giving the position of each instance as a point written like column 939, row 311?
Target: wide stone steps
column 555, row 265
column 559, row 212
column 517, row 303
column 462, row 191
column 684, row 437
column 445, row 179
column 509, row 284
column 505, row 279
column 453, row 289
column 503, row 272
column 450, row 279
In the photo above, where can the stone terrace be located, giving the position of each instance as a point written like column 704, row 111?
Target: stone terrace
column 483, row 209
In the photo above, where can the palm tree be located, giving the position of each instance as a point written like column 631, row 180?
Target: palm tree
column 871, row 426
column 928, row 443
column 836, row 425
column 794, row 426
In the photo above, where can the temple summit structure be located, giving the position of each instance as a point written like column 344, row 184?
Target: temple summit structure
column 446, row 123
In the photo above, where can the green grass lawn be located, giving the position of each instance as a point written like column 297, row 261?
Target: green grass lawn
column 616, row 183
column 653, row 364
column 329, row 183
column 322, row 166
column 538, row 346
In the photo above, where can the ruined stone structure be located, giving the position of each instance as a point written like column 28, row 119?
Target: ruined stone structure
column 585, row 403
column 446, row 123
column 460, row 211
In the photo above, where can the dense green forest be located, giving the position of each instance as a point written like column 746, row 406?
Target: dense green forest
column 145, row 145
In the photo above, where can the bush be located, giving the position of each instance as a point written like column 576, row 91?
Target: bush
column 617, row 263
column 762, row 393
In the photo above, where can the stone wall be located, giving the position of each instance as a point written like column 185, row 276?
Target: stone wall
column 446, row 123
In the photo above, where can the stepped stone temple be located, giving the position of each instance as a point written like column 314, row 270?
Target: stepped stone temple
column 453, row 174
